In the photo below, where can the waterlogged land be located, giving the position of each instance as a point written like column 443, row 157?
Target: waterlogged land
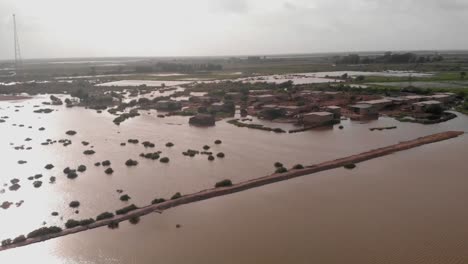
column 228, row 188
column 97, row 191
column 412, row 208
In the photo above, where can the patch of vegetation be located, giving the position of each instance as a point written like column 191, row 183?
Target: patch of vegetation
column 109, row 171
column 126, row 209
column 176, row 196
column 158, row 200
column 74, row 204
column 152, row 156
column 6, row 242
column 125, row 116
column 71, row 132
column 134, row 220
column 169, row 144
column 72, row 174
column 81, row 168
column 217, row 142
column 223, row 183
column 133, row 141
column 191, row 152
column 89, row 152
column 220, row 155
column 71, row 223
column 278, row 164
column 237, row 123
column 350, row 166
column 105, row 215
column 49, row 166
column 125, row 198
column 14, row 187
column 164, row 160
column 19, row 239
column 281, row 170
column 43, row 231
column 298, row 167
column 113, row 225
column 106, row 163
column 148, row 144
column 131, row 162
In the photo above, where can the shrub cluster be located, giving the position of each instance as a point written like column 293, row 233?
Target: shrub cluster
column 44, row 231
column 223, row 183
column 105, row 215
column 126, row 209
column 176, row 196
column 158, row 200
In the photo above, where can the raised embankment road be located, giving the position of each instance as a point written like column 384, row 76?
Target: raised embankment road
column 210, row 193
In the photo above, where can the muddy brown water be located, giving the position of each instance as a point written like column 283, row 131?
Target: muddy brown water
column 409, row 207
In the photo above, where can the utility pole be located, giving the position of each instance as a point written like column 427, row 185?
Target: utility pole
column 18, row 61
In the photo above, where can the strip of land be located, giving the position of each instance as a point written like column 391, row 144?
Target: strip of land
column 13, row 97
column 215, row 192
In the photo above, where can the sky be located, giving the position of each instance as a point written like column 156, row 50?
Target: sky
column 106, row 28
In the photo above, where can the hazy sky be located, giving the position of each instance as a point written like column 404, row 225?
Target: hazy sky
column 65, row 28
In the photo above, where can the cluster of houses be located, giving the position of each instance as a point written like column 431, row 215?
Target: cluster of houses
column 417, row 103
column 311, row 115
column 316, row 108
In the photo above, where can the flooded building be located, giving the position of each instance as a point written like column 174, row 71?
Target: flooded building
column 167, row 105
column 317, row 118
column 423, row 106
column 378, row 104
column 335, row 110
column 218, row 106
column 234, row 96
column 202, row 99
column 364, row 109
column 269, row 107
column 415, row 98
column 265, row 98
column 259, row 92
column 443, row 97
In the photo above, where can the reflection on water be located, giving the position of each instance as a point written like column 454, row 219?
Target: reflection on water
column 395, row 209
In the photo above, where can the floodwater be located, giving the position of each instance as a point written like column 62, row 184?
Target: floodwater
column 299, row 78
column 435, row 85
column 326, row 77
column 363, row 73
column 409, row 207
column 143, row 82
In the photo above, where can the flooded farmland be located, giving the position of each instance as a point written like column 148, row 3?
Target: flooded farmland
column 405, row 208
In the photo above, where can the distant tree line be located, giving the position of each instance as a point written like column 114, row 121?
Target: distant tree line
column 389, row 58
column 178, row 67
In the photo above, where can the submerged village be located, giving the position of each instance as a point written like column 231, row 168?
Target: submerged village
column 279, row 104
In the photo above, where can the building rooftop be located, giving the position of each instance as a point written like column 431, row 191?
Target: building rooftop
column 333, row 107
column 270, row 106
column 264, row 95
column 362, row 106
column 414, row 97
column 378, row 101
column 318, row 114
column 440, row 96
column 431, row 102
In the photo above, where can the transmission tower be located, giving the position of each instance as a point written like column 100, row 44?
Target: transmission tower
column 18, row 61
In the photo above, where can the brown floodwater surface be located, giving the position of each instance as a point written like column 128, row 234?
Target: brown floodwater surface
column 409, row 207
